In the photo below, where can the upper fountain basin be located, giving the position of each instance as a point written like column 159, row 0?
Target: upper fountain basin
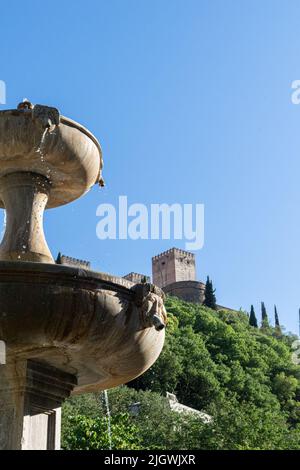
column 41, row 141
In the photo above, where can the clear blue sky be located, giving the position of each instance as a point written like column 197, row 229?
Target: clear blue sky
column 191, row 101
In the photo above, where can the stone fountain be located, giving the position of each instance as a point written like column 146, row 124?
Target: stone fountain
column 67, row 330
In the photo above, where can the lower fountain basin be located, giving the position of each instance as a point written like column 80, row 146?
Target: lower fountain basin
column 91, row 325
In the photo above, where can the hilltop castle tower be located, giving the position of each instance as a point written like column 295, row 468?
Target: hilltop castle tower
column 175, row 272
column 172, row 266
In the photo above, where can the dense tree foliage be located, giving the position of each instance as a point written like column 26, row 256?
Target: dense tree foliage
column 155, row 426
column 213, row 361
column 92, row 433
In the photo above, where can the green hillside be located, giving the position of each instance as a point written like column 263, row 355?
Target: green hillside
column 242, row 376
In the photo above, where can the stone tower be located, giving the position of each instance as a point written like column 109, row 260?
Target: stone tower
column 174, row 265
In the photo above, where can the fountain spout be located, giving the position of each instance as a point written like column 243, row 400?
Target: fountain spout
column 157, row 323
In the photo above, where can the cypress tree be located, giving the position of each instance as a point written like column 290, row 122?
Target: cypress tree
column 277, row 323
column 264, row 316
column 252, row 318
column 210, row 298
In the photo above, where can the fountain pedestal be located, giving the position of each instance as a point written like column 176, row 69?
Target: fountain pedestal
column 31, row 394
column 24, row 196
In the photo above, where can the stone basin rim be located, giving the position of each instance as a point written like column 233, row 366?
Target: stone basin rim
column 63, row 120
column 40, row 273
column 60, row 272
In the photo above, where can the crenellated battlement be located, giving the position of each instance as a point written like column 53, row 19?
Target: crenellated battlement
column 172, row 266
column 137, row 277
column 75, row 262
column 174, row 251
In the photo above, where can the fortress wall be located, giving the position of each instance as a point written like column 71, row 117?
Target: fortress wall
column 137, row 278
column 190, row 291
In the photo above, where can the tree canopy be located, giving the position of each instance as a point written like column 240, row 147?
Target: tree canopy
column 214, row 361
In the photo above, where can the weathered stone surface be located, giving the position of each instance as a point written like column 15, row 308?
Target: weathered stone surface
column 190, row 291
column 70, row 261
column 46, row 160
column 65, row 328
column 175, row 272
column 137, row 277
column 83, row 323
column 64, row 152
column 31, row 394
column 172, row 266
column 25, row 196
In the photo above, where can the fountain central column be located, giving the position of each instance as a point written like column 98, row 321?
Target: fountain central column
column 25, row 196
